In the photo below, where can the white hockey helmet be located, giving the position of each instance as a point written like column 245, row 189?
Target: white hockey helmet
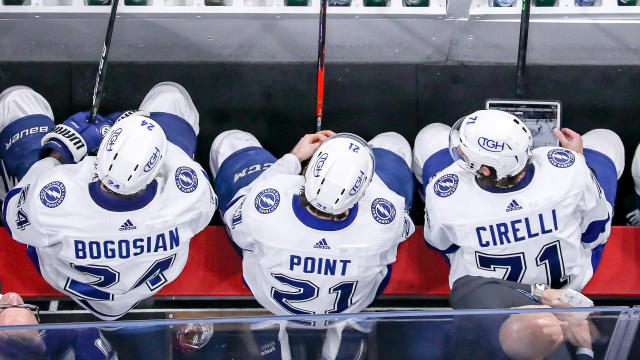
column 339, row 173
column 131, row 154
column 493, row 138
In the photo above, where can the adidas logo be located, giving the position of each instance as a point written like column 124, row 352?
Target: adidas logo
column 322, row 244
column 513, row 206
column 128, row 225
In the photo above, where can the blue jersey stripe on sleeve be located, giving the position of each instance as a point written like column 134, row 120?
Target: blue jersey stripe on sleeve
column 395, row 173
column 178, row 131
column 239, row 170
column 605, row 171
column 13, row 192
column 437, row 162
column 596, row 255
column 594, row 229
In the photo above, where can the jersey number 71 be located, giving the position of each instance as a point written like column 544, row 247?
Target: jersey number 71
column 515, row 265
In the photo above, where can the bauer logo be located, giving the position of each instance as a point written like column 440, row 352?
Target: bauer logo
column 446, row 185
column 153, row 160
column 561, row 158
column 267, row 201
column 319, row 164
column 490, row 145
column 53, row 194
column 383, row 211
column 113, row 138
column 186, row 179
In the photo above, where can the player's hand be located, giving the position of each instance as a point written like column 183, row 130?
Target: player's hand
column 578, row 333
column 633, row 218
column 569, row 139
column 309, row 143
column 551, row 297
column 75, row 137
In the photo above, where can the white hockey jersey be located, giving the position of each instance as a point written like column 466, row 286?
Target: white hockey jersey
column 104, row 254
column 295, row 263
column 542, row 230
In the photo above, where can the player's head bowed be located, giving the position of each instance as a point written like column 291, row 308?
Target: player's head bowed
column 491, row 138
column 131, row 154
column 339, row 173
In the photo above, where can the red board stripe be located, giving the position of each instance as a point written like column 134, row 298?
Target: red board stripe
column 214, row 268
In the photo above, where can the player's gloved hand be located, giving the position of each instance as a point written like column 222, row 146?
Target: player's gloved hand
column 633, row 218
column 75, row 137
column 569, row 139
column 309, row 143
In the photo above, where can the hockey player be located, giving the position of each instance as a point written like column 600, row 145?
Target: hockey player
column 112, row 230
column 633, row 218
column 323, row 241
column 503, row 210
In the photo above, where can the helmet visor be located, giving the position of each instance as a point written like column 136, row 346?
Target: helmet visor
column 456, row 145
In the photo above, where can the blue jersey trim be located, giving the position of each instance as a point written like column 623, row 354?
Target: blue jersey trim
column 32, row 253
column 234, row 173
column 450, row 250
column 13, row 192
column 605, row 171
column 231, row 203
column 178, row 131
column 314, row 222
column 24, row 151
column 526, row 180
column 384, row 282
column 594, row 229
column 395, row 173
column 596, row 255
column 437, row 162
column 115, row 203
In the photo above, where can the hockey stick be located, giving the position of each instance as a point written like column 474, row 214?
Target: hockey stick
column 102, row 67
column 522, row 47
column 322, row 32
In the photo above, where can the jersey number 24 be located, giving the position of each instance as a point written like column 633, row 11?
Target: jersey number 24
column 106, row 277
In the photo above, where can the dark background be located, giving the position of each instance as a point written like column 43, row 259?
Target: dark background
column 276, row 102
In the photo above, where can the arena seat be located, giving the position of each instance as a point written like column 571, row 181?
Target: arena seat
column 214, row 269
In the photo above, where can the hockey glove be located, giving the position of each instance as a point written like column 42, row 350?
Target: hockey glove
column 75, row 137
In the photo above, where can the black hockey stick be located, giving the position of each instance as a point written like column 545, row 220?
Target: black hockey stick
column 102, row 67
column 322, row 33
column 522, row 47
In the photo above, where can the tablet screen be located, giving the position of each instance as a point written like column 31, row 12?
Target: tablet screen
column 539, row 116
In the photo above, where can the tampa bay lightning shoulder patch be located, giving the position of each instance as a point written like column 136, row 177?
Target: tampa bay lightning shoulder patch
column 561, row 158
column 267, row 201
column 52, row 194
column 383, row 210
column 186, row 179
column 446, row 185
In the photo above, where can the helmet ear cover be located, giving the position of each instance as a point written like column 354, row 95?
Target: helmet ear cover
column 339, row 173
column 492, row 138
column 131, row 154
